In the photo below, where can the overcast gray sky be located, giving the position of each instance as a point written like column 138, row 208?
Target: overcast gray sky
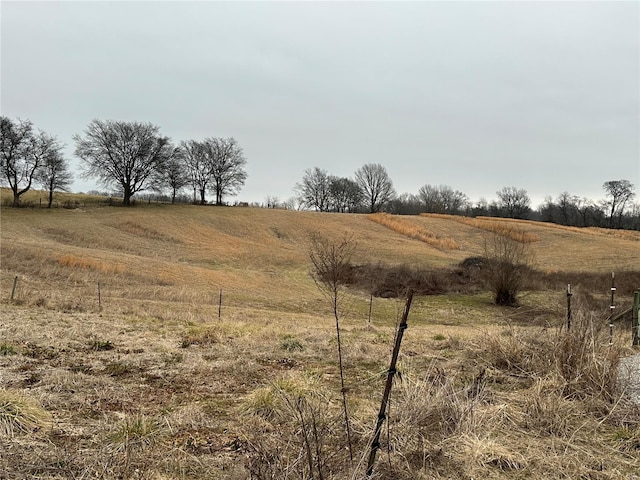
column 543, row 96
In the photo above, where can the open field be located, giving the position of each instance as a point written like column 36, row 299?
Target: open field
column 152, row 384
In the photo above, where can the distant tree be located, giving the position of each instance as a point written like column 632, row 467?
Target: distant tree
column 272, row 201
column 174, row 174
column 481, row 208
column 376, row 186
column 514, row 202
column 619, row 194
column 585, row 208
column 23, row 154
column 634, row 220
column 313, row 191
column 567, row 208
column 198, row 168
column 291, row 203
column 548, row 211
column 405, row 204
column 345, row 194
column 442, row 199
column 226, row 164
column 122, row 154
column 54, row 174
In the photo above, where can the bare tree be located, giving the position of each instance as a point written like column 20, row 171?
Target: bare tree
column 585, row 207
column 23, row 154
column 345, row 194
column 313, row 191
column 376, row 186
column 199, row 169
column 122, row 154
column 514, row 202
column 272, row 201
column 226, row 163
column 54, row 174
column 331, row 261
column 442, row 199
column 173, row 174
column 619, row 193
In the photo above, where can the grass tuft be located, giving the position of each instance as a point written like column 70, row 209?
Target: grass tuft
column 21, row 414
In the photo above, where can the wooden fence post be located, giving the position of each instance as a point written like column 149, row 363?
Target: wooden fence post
column 635, row 322
column 13, row 290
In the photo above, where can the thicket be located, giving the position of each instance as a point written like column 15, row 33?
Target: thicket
column 470, row 276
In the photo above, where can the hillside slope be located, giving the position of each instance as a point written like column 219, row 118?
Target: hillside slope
column 256, row 255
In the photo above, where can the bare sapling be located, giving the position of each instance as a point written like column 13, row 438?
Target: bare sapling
column 331, row 260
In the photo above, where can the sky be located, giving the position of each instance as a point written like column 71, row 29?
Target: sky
column 539, row 95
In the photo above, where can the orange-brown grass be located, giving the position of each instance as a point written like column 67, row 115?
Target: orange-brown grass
column 410, row 230
column 497, row 226
column 608, row 232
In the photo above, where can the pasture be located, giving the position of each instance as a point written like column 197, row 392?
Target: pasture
column 155, row 379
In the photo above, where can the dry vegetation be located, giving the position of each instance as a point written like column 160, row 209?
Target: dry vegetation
column 505, row 227
column 151, row 384
column 399, row 225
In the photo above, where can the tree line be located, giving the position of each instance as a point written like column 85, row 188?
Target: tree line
column 128, row 157
column 371, row 190
column 132, row 157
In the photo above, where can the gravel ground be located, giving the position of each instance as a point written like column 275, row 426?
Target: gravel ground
column 630, row 376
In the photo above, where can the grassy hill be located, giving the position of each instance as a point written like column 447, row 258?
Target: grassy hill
column 151, row 384
column 163, row 250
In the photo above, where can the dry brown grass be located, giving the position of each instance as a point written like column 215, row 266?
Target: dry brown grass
column 398, row 225
column 504, row 227
column 152, row 385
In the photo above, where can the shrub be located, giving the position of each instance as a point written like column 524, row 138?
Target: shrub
column 508, row 262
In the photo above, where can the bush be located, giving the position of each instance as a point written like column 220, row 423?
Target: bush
column 508, row 263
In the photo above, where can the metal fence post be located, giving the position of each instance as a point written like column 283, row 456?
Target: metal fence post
column 13, row 290
column 612, row 306
column 569, row 294
column 635, row 322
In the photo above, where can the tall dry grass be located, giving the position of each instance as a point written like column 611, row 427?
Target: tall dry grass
column 410, row 230
column 503, row 227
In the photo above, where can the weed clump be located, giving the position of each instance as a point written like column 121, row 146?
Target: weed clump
column 289, row 343
column 7, row 349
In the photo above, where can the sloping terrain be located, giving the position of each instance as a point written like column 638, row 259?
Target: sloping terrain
column 257, row 253
column 118, row 361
